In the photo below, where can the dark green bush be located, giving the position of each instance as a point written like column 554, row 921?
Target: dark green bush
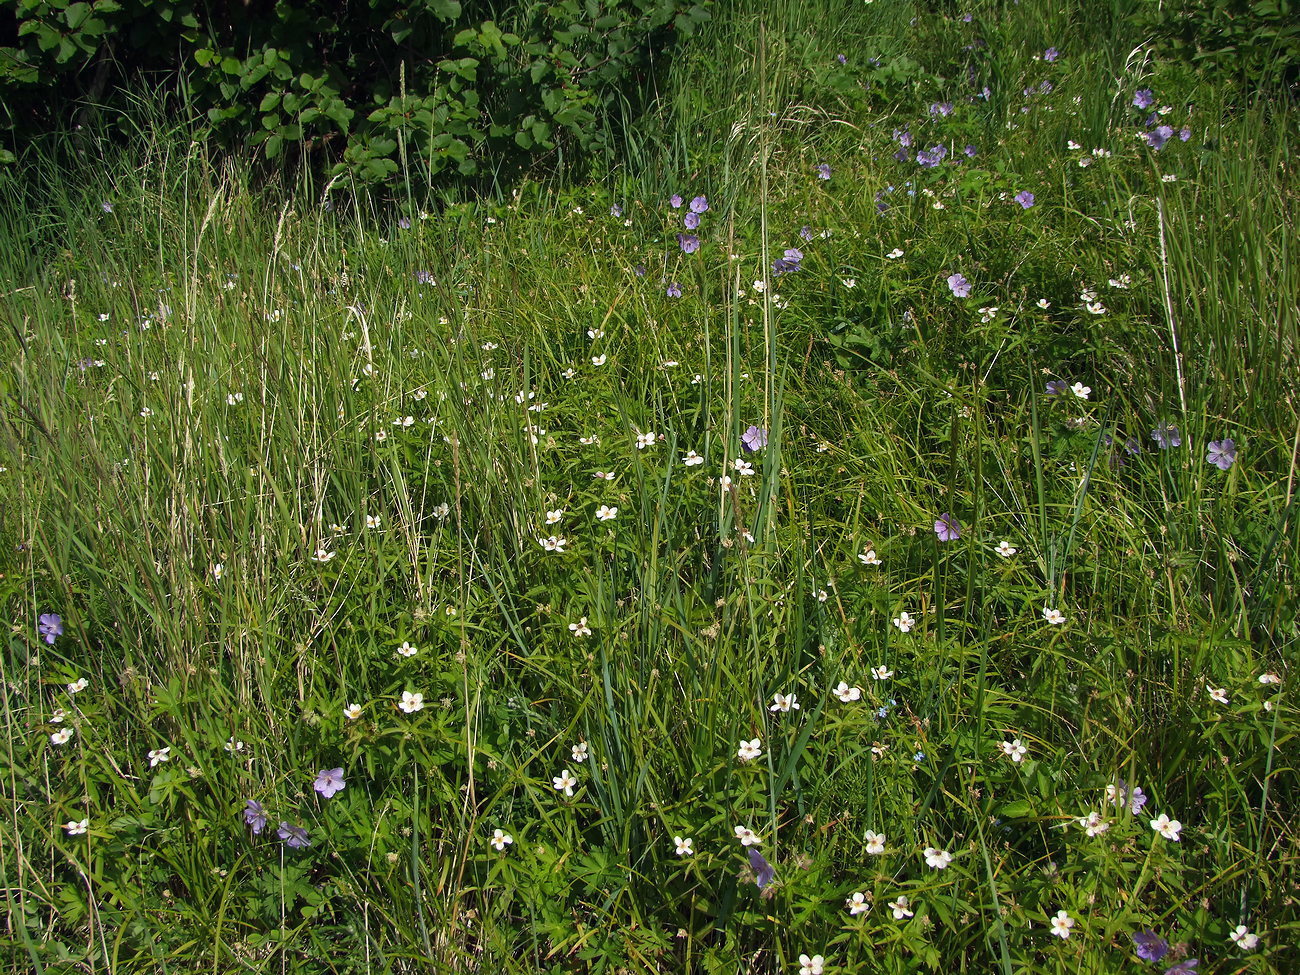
column 366, row 88
column 1255, row 42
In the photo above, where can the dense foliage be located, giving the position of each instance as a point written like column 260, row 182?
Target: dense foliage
column 421, row 87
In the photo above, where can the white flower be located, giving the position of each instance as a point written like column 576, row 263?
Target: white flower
column 900, row 908
column 233, row 744
column 1053, row 616
column 692, row 459
column 553, row 544
column 1097, row 308
column 1080, row 390
column 580, row 628
column 749, row 750
column 1270, row 679
column 1166, row 827
column 404, row 421
column 869, row 557
column 62, row 736
column 501, row 839
column 904, row 622
column 338, row 529
column 875, row 842
column 58, row 716
column 857, row 904
column 1241, row 936
column 746, row 836
column 849, row 282
column 760, row 286
column 374, row 521
column 937, row 859
column 233, row 398
column 352, row 712
column 412, row 702
column 217, row 571
column 381, row 435
column 322, row 555
column 1015, row 750
column 568, row 373
column 846, row 693
column 896, row 253
column 811, row 966
column 606, row 513
column 604, row 475
column 406, row 650
column 146, row 412
column 579, row 751
column 1219, row 694
column 598, row 360
column 1071, row 144
column 564, row 782
column 441, row 511
column 683, row 845
column 1061, row 925
column 881, row 673
column 1005, row 549
column 1043, row 303
column 159, row 755
column 554, row 516
column 644, row 440
column 80, row 684
column 595, row 333
column 76, row 828
column 784, row 703
column 743, row 467
column 1093, row 824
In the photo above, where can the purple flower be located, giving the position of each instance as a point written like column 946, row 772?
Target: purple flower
column 959, row 285
column 792, row 256
column 294, row 837
column 1187, row 967
column 616, row 211
column 691, row 221
column 947, row 528
column 689, row 243
column 970, row 152
column 639, row 270
column 424, row 277
column 699, row 204
column 1184, row 133
column 255, row 816
column 943, row 109
column 1166, row 435
column 1025, row 199
column 106, row 206
column 675, row 201
column 1144, row 98
column 1157, row 139
column 764, row 872
column 1051, row 54
column 754, row 438
column 904, row 138
column 841, row 59
column 824, row 171
column 1220, row 453
column 1150, row 946
column 329, row 781
column 404, row 223
column 930, row 158
column 1056, row 387
column 806, row 232
column 674, row 290
column 50, row 625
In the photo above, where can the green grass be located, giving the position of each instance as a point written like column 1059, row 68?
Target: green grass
column 132, row 468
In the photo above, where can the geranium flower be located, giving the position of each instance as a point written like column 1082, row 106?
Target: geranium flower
column 501, row 839
column 1061, row 925
column 749, row 750
column 329, row 782
column 875, row 842
column 564, row 782
column 857, row 904
column 682, row 846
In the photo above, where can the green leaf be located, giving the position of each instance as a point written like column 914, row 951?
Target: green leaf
column 273, row 147
column 76, row 15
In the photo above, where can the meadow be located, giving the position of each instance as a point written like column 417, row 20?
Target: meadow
column 852, row 531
